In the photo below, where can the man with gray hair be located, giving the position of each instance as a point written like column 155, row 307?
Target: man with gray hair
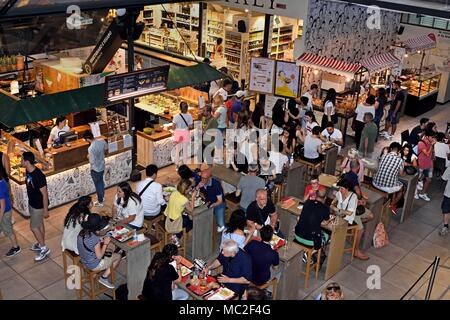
column 236, row 267
column 248, row 185
column 368, row 136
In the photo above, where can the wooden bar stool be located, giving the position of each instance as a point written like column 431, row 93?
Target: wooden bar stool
column 309, row 251
column 75, row 261
column 156, row 244
column 271, row 283
column 352, row 232
column 311, row 168
column 162, row 234
column 150, row 221
column 94, row 288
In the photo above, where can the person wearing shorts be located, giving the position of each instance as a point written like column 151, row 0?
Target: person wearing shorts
column 6, row 217
column 393, row 117
column 386, row 178
column 445, row 206
column 92, row 248
column 425, row 156
column 37, row 192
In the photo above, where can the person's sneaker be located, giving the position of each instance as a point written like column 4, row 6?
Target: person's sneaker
column 35, row 247
column 220, row 229
column 13, row 251
column 444, row 231
column 106, row 283
column 42, row 255
column 98, row 204
column 424, row 196
column 416, row 196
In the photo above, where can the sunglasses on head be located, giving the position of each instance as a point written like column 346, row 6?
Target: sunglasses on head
column 335, row 288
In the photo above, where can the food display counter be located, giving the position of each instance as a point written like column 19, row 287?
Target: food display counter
column 67, row 169
column 422, row 93
column 156, row 145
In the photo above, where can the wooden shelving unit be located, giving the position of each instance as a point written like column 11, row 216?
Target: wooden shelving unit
column 236, row 53
column 215, row 28
column 281, row 39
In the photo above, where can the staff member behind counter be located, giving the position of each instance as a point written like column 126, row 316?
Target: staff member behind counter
column 60, row 128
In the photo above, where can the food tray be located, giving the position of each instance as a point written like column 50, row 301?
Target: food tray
column 121, row 234
column 201, row 291
column 221, row 294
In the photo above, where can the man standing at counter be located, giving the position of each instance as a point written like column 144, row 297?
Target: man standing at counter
column 38, row 204
column 96, row 156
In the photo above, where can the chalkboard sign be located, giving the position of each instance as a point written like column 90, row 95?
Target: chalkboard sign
column 135, row 84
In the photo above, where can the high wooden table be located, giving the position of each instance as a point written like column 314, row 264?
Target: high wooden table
column 203, row 243
column 289, row 217
column 222, row 173
column 411, row 184
column 290, row 268
column 138, row 261
column 330, row 156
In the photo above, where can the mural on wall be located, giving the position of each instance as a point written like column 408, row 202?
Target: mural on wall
column 339, row 31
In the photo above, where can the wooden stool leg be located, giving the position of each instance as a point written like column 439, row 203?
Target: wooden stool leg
column 274, row 289
column 318, row 263
column 113, row 280
column 355, row 234
column 93, row 285
column 308, row 262
column 65, row 268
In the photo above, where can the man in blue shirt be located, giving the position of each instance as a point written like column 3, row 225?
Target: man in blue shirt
column 5, row 217
column 237, row 106
column 263, row 256
column 352, row 177
column 236, row 265
column 212, row 193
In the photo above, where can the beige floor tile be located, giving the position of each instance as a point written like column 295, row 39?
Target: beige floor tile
column 429, row 250
column 386, row 292
column 35, row 296
column 437, row 292
column 54, row 244
column 403, row 239
column 24, row 261
column 414, row 263
column 43, row 275
column 16, row 288
column 403, row 278
column 435, row 238
column 6, row 271
column 384, row 265
column 352, row 278
column 58, row 291
column 416, row 228
column 391, row 252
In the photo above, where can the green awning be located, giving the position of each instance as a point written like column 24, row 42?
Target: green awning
column 14, row 113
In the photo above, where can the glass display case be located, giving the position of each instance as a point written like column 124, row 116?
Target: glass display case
column 14, row 148
column 422, row 86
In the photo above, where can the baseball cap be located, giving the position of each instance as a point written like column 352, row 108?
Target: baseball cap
column 29, row 156
column 240, row 94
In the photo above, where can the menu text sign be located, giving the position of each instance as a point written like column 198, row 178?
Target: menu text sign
column 135, row 84
column 262, row 75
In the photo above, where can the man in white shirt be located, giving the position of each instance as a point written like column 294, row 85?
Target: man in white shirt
column 150, row 192
column 442, row 149
column 333, row 135
column 312, row 92
column 225, row 90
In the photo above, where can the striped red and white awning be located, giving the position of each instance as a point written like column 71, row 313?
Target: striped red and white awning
column 341, row 68
column 424, row 42
column 380, row 62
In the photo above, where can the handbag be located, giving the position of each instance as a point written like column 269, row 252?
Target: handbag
column 174, row 226
column 360, row 210
column 380, row 237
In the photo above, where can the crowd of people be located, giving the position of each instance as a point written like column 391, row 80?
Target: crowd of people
column 246, row 262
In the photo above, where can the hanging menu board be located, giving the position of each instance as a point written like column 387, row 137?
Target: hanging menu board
column 287, row 81
column 135, row 84
column 261, row 75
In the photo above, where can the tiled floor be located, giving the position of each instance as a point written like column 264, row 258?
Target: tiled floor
column 413, row 247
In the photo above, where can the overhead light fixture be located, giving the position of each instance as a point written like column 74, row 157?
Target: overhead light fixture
column 418, row 51
column 102, row 19
column 246, row 10
column 348, row 80
column 406, row 55
column 316, row 72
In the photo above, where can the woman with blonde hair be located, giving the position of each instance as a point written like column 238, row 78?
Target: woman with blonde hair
column 332, row 291
column 345, row 165
column 179, row 210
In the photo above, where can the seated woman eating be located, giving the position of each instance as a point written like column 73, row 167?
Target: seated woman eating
column 312, row 145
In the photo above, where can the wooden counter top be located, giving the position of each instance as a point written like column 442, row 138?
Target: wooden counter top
column 156, row 136
column 64, row 148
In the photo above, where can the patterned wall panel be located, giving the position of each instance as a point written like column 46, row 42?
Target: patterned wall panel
column 339, row 30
